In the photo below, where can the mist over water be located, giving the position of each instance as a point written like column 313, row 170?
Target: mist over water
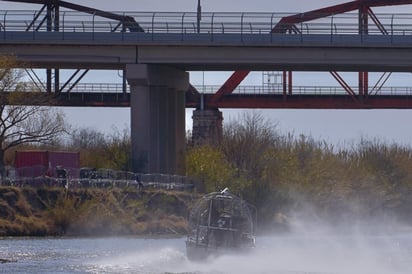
column 289, row 254
column 307, row 250
column 314, row 252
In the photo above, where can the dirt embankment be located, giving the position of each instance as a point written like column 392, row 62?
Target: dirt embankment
column 92, row 212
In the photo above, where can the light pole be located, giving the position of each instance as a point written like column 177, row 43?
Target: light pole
column 199, row 15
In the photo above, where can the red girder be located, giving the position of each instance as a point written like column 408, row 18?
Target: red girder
column 310, row 102
column 288, row 23
column 377, row 22
column 342, row 82
column 234, row 80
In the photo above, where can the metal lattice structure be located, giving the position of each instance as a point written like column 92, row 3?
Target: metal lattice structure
column 290, row 24
column 63, row 21
column 220, row 222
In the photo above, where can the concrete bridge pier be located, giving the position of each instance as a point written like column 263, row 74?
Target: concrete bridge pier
column 207, row 126
column 157, row 107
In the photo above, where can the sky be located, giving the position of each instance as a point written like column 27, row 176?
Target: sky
column 337, row 127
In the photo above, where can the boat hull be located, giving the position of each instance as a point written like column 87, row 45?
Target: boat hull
column 196, row 252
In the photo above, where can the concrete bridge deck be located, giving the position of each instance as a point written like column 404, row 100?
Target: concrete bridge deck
column 224, row 42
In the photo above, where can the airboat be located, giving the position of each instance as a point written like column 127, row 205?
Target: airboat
column 220, row 223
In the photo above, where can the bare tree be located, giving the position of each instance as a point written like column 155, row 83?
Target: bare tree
column 119, row 149
column 24, row 114
column 245, row 141
column 87, row 138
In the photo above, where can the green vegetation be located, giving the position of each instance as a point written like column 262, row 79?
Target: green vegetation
column 99, row 150
column 286, row 175
column 279, row 174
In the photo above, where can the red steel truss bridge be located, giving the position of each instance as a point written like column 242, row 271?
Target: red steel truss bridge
column 348, row 37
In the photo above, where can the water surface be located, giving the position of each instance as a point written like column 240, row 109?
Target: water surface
column 314, row 253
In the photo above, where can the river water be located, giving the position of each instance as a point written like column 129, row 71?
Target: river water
column 314, row 253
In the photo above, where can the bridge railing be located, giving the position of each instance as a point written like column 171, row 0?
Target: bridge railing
column 97, row 88
column 210, row 24
column 102, row 88
column 306, row 90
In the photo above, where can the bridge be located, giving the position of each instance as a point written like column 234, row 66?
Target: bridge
column 156, row 49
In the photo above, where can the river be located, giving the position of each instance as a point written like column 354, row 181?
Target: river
column 314, row 253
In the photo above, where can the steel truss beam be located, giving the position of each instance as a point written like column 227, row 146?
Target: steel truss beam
column 52, row 7
column 230, row 85
column 308, row 102
column 269, row 101
column 35, row 79
column 127, row 21
column 75, row 82
column 288, row 24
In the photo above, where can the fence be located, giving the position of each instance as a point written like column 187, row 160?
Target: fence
column 211, row 23
column 97, row 178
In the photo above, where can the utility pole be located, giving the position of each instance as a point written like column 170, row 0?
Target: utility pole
column 199, row 15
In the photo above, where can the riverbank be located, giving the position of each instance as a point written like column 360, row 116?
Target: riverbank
column 92, row 212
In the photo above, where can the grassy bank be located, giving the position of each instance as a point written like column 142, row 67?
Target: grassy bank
column 92, row 212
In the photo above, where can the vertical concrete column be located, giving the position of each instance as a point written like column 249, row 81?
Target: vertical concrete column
column 172, row 130
column 181, row 132
column 157, row 107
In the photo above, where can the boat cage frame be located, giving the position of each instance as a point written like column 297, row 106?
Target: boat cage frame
column 221, row 221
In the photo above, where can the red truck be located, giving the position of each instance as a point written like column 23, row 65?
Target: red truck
column 30, row 163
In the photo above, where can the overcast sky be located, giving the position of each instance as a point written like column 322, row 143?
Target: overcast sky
column 207, row 5
column 334, row 126
column 190, row 5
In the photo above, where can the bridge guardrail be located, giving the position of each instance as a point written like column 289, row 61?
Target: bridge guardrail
column 306, row 90
column 102, row 88
column 211, row 24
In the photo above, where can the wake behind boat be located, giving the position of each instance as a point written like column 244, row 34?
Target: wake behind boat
column 220, row 222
